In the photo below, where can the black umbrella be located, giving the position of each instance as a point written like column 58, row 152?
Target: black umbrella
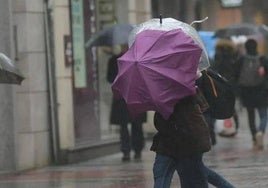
column 241, row 29
column 115, row 35
column 9, row 74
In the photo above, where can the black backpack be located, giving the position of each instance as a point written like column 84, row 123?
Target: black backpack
column 219, row 94
column 249, row 75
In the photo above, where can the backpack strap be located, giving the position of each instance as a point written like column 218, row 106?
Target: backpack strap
column 211, row 81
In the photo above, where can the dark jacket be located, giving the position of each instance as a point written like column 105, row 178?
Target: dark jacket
column 185, row 133
column 253, row 96
column 119, row 112
column 224, row 59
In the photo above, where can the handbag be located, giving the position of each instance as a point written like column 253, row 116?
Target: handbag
column 219, row 94
column 225, row 127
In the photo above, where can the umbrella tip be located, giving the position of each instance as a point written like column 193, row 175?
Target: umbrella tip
column 160, row 18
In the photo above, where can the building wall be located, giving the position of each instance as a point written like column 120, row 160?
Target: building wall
column 63, row 74
column 31, row 98
column 139, row 11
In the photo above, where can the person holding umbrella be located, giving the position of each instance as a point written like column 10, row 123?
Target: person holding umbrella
column 158, row 73
column 180, row 143
column 120, row 116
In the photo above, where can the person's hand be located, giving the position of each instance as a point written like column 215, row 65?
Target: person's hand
column 198, row 74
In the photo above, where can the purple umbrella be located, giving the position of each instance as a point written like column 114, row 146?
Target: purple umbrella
column 158, row 70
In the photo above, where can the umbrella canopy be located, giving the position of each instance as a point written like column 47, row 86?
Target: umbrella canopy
column 158, row 69
column 115, row 35
column 245, row 29
column 167, row 24
column 9, row 74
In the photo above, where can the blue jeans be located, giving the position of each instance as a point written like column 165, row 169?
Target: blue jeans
column 262, row 111
column 192, row 173
column 216, row 179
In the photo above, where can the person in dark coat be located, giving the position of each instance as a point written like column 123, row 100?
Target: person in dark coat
column 180, row 143
column 224, row 60
column 120, row 116
column 254, row 97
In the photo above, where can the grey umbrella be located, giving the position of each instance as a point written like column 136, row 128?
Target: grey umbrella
column 9, row 73
column 115, row 35
column 241, row 29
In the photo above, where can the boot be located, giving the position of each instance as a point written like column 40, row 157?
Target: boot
column 259, row 140
column 126, row 157
column 137, row 156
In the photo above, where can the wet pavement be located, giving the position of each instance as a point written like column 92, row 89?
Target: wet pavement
column 231, row 157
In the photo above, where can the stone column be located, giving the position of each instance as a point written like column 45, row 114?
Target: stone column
column 7, row 138
column 31, row 99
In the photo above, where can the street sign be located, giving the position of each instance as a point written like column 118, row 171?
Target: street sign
column 231, row 3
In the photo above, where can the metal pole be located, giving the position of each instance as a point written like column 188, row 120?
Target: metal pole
column 51, row 84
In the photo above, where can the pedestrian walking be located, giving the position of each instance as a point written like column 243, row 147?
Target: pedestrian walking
column 158, row 73
column 252, row 72
column 180, row 143
column 129, row 140
column 224, row 60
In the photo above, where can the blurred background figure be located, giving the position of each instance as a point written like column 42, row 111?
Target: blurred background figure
column 239, row 42
column 133, row 140
column 223, row 63
column 224, row 60
column 251, row 70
